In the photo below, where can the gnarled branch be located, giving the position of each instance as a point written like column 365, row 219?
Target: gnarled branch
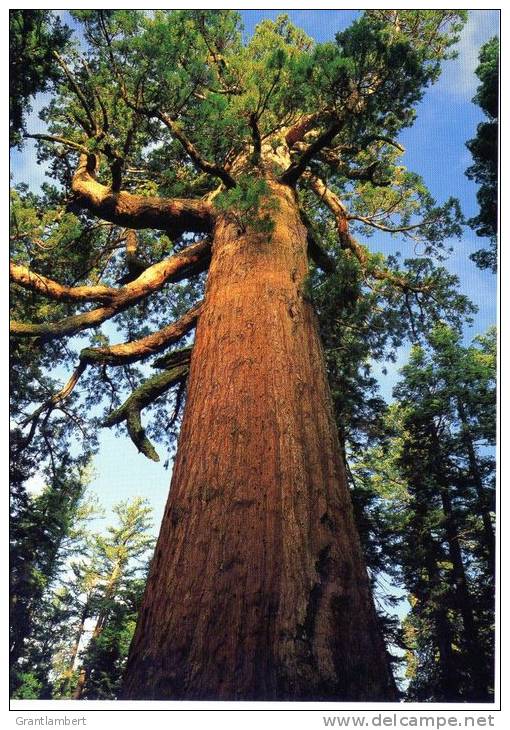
column 297, row 168
column 64, row 327
column 41, row 284
column 146, row 393
column 125, row 354
column 296, row 133
column 191, row 261
column 173, row 215
column 129, row 352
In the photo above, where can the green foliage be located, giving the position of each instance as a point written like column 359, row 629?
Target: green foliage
column 35, row 35
column 487, row 94
column 431, row 484
column 29, row 687
column 249, row 204
column 484, row 150
column 432, row 32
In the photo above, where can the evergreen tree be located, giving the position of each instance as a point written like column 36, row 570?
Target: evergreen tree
column 36, row 38
column 436, row 510
column 46, row 534
column 85, row 618
column 104, row 660
column 169, row 130
column 484, row 149
column 113, row 603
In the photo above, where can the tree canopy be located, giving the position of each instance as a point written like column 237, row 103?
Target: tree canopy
column 175, row 104
column 35, row 38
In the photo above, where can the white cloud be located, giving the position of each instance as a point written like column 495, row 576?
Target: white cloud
column 458, row 77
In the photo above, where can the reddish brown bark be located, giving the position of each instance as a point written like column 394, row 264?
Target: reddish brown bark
column 192, row 260
column 258, row 588
column 173, row 215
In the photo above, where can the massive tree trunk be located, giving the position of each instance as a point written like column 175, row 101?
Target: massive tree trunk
column 258, row 588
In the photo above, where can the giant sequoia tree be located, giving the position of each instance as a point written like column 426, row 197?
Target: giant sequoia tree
column 182, row 152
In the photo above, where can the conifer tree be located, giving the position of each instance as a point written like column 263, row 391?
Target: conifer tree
column 47, row 533
column 484, row 150
column 180, row 149
column 433, row 477
column 114, row 599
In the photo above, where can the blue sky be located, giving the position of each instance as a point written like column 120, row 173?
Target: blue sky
column 435, row 148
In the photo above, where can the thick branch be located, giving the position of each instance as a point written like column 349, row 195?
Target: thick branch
column 116, row 168
column 255, row 133
column 173, row 215
column 130, row 411
column 191, row 261
column 135, row 264
column 129, row 352
column 124, row 354
column 64, row 327
column 297, row 168
column 300, row 128
column 315, row 250
column 200, row 162
column 60, row 292
column 172, row 359
column 332, row 201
